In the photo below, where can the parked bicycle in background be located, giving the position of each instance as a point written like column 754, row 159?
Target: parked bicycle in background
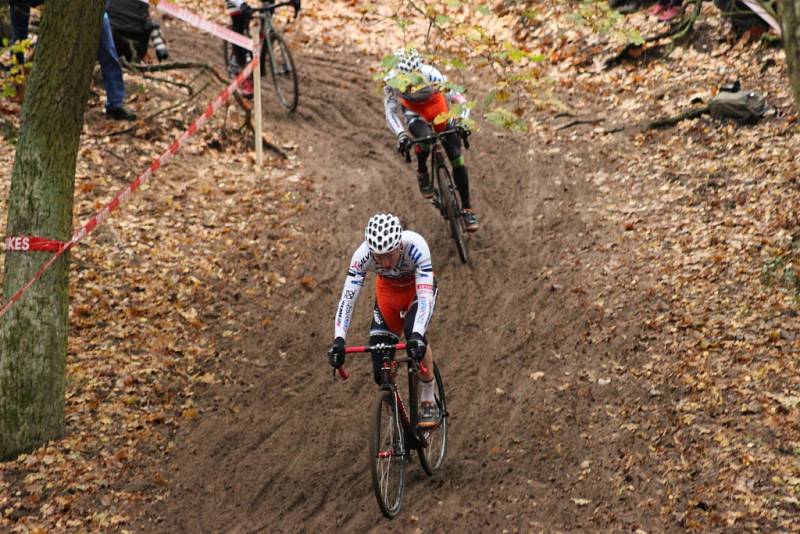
column 274, row 49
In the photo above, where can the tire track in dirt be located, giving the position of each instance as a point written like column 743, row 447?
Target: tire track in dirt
column 283, row 448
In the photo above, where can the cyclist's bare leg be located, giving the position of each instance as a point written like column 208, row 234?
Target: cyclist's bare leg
column 427, row 361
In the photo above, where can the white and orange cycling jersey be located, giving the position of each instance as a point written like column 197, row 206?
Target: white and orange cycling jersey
column 396, row 288
column 427, row 102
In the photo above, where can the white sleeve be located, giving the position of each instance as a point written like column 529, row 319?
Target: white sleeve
column 356, row 274
column 426, row 298
column 432, row 74
column 390, row 108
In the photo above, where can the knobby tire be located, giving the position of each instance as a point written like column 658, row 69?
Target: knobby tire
column 281, row 68
column 452, row 209
column 284, row 73
column 432, row 457
column 386, row 437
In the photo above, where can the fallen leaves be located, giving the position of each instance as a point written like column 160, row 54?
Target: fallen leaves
column 142, row 299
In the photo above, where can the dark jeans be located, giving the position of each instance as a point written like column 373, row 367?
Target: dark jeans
column 241, row 24
column 110, row 67
column 20, row 12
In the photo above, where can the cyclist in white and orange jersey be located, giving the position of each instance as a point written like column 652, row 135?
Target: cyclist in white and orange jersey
column 405, row 294
column 419, row 107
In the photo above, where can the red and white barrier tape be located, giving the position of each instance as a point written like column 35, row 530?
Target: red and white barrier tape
column 125, row 194
column 206, row 25
column 28, row 243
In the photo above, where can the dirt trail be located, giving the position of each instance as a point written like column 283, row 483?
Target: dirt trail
column 537, row 361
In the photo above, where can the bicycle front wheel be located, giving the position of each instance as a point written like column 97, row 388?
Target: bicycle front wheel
column 452, row 209
column 387, row 454
column 284, row 74
column 432, row 456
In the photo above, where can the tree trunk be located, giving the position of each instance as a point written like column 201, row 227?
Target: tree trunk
column 33, row 334
column 790, row 21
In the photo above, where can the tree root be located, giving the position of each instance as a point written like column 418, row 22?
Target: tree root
column 180, row 104
column 175, row 65
column 663, row 122
column 677, row 32
column 576, row 122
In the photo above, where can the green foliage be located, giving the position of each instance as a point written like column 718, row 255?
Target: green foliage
column 506, row 119
column 779, row 271
column 455, row 112
column 514, row 71
column 515, row 55
column 14, row 77
column 441, row 20
column 606, row 21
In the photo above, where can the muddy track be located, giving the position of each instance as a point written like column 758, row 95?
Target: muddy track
column 535, row 439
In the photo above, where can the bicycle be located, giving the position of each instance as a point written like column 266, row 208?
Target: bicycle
column 445, row 195
column 393, row 427
column 281, row 64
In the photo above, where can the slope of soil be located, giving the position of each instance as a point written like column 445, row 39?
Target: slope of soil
column 536, row 339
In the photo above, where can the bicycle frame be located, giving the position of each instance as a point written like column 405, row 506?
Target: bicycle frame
column 388, row 382
column 445, row 197
column 265, row 28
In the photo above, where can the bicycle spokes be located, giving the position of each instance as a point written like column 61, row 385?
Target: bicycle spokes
column 387, row 454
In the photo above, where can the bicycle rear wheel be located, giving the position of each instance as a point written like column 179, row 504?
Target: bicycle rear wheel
column 452, row 208
column 432, row 456
column 284, row 74
column 387, row 454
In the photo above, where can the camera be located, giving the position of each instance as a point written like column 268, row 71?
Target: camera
column 158, row 43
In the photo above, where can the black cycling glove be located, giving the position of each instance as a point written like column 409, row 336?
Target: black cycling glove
column 416, row 346
column 336, row 353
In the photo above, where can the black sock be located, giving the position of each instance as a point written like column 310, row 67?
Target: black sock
column 461, row 178
column 422, row 158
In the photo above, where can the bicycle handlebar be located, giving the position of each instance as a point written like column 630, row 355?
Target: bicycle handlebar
column 272, row 7
column 373, row 348
column 434, row 137
column 345, row 374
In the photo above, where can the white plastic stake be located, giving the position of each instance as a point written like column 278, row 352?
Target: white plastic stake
column 257, row 97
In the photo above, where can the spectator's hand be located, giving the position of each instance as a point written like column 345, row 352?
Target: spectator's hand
column 336, row 353
column 416, row 346
column 403, row 143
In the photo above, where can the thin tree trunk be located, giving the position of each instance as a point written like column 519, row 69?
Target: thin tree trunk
column 790, row 20
column 33, row 334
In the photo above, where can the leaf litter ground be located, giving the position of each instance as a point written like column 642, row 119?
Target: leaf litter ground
column 667, row 398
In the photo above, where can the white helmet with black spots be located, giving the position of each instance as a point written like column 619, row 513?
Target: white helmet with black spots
column 408, row 60
column 383, row 233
